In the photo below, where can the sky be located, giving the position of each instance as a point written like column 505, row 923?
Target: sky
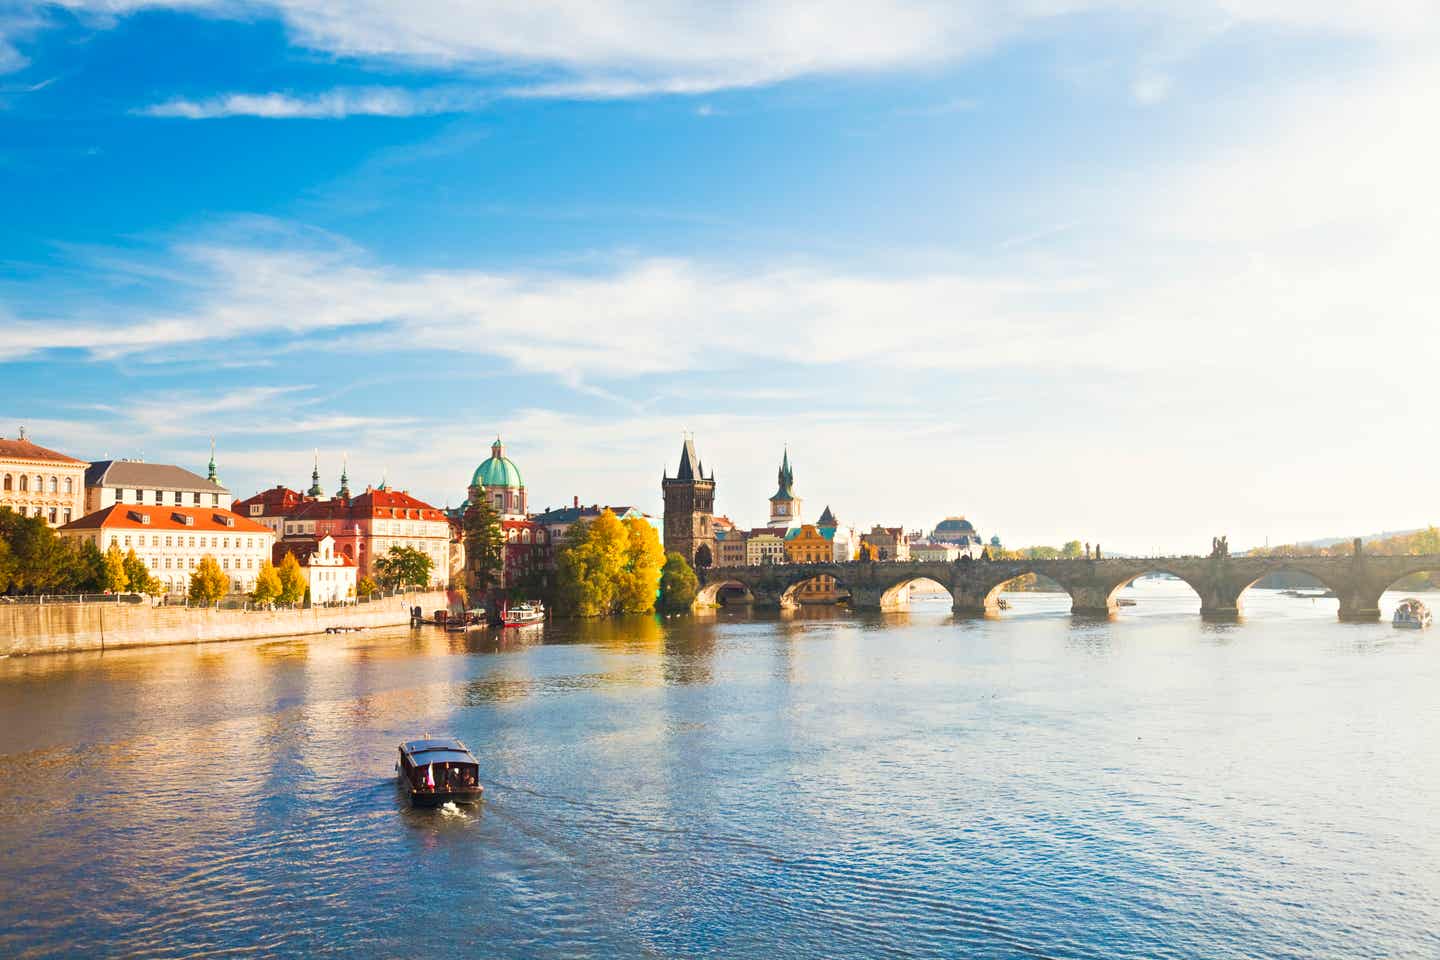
column 1132, row 273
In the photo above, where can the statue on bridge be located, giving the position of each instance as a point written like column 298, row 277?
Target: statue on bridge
column 1219, row 548
column 1097, row 551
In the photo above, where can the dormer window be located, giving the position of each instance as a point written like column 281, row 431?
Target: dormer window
column 184, row 519
column 224, row 519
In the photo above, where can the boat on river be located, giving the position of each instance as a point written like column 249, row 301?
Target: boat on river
column 522, row 614
column 1412, row 614
column 440, row 770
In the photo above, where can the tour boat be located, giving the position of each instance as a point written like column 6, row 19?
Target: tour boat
column 1412, row 615
column 522, row 614
column 437, row 771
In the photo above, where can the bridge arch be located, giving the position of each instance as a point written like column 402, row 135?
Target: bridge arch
column 1113, row 598
column 1392, row 581
column 897, row 594
column 1335, row 585
column 711, row 594
column 818, row 588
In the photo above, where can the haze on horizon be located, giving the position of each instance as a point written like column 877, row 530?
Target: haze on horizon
column 1087, row 270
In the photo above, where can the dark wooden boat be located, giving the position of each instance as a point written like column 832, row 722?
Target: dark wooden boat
column 438, row 771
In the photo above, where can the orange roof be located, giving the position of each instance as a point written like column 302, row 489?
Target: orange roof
column 377, row 504
column 127, row 516
column 25, row 450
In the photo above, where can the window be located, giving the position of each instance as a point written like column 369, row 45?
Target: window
column 54, row 484
column 24, row 483
column 195, row 498
column 9, row 483
column 69, row 484
column 524, row 536
column 159, row 497
column 225, row 563
column 192, row 541
column 127, row 541
column 67, row 514
column 214, row 499
column 167, row 563
column 227, row 543
column 53, row 514
column 178, row 497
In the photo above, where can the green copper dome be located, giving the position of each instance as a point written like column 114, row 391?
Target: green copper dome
column 498, row 471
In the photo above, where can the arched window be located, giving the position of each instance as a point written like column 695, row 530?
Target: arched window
column 69, row 484
column 524, row 536
column 54, row 484
column 39, row 483
column 9, row 483
column 24, row 483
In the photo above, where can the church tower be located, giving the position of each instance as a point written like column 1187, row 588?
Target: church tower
column 689, row 509
column 785, row 506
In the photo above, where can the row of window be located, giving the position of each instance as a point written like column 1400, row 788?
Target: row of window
column 523, row 535
column 182, row 563
column 54, row 515
column 25, row 485
column 179, row 497
column 221, row 542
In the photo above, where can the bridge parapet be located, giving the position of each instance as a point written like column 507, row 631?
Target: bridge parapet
column 974, row 586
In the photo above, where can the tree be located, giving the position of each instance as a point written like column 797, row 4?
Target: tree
column 292, row 580
column 116, row 580
column 364, row 587
column 7, row 565
column 267, row 584
column 678, row 583
column 1071, row 549
column 40, row 560
column 139, row 576
column 590, row 565
column 404, row 567
column 644, row 556
column 484, row 542
column 208, row 583
column 87, row 565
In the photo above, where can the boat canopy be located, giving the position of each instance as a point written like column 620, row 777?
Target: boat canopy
column 437, row 751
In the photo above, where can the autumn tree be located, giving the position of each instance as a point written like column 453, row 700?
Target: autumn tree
column 365, row 586
column 208, row 583
column 678, row 583
column 292, row 580
column 590, row 565
column 1071, row 549
column 116, row 580
column 139, row 576
column 267, row 584
column 639, row 583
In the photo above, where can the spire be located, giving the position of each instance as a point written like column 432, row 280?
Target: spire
column 315, row 490
column 689, row 462
column 785, row 477
column 385, row 478
column 827, row 519
column 344, row 491
column 211, row 475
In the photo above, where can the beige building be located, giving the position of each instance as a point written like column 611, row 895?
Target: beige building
column 39, row 482
column 730, row 548
column 887, row 543
column 136, row 482
column 765, row 545
column 173, row 540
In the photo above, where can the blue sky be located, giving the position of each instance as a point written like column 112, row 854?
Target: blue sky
column 1134, row 273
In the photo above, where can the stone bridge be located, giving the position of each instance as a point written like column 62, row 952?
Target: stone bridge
column 974, row 586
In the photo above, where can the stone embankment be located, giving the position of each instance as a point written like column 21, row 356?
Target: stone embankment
column 27, row 628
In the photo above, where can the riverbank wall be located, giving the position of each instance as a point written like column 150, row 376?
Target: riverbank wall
column 73, row 627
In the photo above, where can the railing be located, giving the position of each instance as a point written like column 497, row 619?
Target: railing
column 234, row 602
column 42, row 599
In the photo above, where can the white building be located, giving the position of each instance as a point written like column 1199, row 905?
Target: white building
column 173, row 540
column 845, row 541
column 329, row 574
column 109, row 482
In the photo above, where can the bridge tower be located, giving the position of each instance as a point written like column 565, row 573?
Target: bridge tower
column 690, row 509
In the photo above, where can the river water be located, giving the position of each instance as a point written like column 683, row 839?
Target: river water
column 825, row 784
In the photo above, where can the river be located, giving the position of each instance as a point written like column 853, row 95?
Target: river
column 825, row 784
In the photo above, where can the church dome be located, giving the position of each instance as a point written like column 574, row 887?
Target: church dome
column 955, row 525
column 499, row 471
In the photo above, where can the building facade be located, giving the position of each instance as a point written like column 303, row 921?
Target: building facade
column 843, row 542
column 36, row 481
column 329, row 575
column 173, row 540
column 367, row 526
column 806, row 544
column 887, row 543
column 689, row 509
column 270, row 508
column 765, row 545
column 500, row 481
column 108, row 482
column 960, row 533
column 730, row 547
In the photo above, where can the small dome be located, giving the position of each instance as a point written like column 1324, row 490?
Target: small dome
column 955, row 525
column 498, row 471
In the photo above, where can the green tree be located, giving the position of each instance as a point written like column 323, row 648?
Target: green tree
column 116, row 580
column 292, row 580
column 1071, row 549
column 208, row 583
column 40, row 561
column 267, row 584
column 139, row 577
column 404, row 567
column 639, row 584
column 678, row 583
column 484, row 542
column 7, row 565
column 87, row 565
column 365, row 586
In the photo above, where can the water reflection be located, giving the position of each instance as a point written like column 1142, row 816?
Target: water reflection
column 847, row 784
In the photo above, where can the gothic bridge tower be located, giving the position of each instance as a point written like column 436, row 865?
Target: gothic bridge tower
column 689, row 509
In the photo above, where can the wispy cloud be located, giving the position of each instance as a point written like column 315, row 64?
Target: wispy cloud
column 332, row 104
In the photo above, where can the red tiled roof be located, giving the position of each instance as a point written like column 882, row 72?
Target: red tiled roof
column 280, row 499
column 123, row 516
column 377, row 504
column 25, row 450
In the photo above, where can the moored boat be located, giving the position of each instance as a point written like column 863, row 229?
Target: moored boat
column 434, row 771
column 522, row 614
column 1412, row 614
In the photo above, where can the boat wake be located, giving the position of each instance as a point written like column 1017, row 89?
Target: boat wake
column 450, row 809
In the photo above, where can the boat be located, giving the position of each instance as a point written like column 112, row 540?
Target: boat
column 522, row 614
column 473, row 619
column 438, row 770
column 1412, row 615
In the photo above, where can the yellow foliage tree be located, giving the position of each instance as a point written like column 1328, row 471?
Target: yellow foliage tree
column 591, row 564
column 644, row 557
column 114, row 578
column 267, row 584
column 208, row 583
column 292, row 580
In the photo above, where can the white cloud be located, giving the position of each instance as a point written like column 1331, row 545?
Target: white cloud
column 332, row 104
column 590, row 49
column 1151, row 88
